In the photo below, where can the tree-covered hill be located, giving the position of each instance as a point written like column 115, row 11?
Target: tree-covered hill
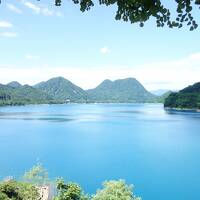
column 62, row 89
column 161, row 99
column 14, row 84
column 188, row 98
column 22, row 95
column 122, row 90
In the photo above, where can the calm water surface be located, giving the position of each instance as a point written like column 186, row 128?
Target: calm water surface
column 157, row 151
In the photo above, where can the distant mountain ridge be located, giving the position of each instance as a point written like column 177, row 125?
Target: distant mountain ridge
column 159, row 92
column 61, row 90
column 14, row 84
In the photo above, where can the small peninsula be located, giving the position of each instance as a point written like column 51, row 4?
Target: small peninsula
column 188, row 98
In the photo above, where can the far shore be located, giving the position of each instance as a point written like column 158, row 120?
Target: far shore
column 183, row 109
column 71, row 103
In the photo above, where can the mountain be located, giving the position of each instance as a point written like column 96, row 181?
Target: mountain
column 62, row 89
column 14, row 84
column 22, row 95
column 122, row 90
column 161, row 99
column 159, row 92
column 188, row 98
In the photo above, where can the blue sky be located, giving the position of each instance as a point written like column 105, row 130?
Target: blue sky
column 39, row 41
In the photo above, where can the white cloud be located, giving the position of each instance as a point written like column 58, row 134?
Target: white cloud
column 8, row 34
column 174, row 74
column 31, row 57
column 5, row 24
column 39, row 9
column 32, row 6
column 47, row 12
column 13, row 8
column 105, row 50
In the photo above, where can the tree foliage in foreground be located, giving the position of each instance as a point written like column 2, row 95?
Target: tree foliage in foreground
column 69, row 191
column 28, row 189
column 13, row 190
column 141, row 11
column 37, row 175
column 115, row 190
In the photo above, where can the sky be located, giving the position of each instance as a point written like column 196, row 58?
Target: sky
column 39, row 41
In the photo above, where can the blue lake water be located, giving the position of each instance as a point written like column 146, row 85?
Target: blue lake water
column 156, row 150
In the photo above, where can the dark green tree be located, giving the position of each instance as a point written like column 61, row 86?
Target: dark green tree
column 69, row 191
column 37, row 175
column 115, row 190
column 18, row 191
column 140, row 11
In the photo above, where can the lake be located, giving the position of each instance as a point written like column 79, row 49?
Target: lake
column 156, row 150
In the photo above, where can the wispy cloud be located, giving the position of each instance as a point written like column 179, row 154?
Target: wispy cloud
column 8, row 34
column 32, row 6
column 13, row 8
column 105, row 50
column 171, row 74
column 39, row 9
column 5, row 24
column 31, row 57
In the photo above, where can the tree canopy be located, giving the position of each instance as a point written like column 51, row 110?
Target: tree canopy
column 37, row 175
column 69, row 191
column 115, row 190
column 13, row 190
column 141, row 10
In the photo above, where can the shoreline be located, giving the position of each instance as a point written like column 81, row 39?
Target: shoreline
column 80, row 103
column 183, row 109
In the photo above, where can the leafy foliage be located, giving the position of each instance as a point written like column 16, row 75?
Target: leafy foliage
column 69, row 191
column 37, row 175
column 142, row 10
column 13, row 190
column 186, row 98
column 115, row 190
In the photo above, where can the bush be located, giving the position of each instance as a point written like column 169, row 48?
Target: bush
column 115, row 190
column 18, row 191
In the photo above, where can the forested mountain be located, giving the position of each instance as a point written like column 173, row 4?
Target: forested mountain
column 159, row 92
column 122, row 90
column 62, row 89
column 188, row 98
column 161, row 99
column 22, row 95
column 14, row 84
